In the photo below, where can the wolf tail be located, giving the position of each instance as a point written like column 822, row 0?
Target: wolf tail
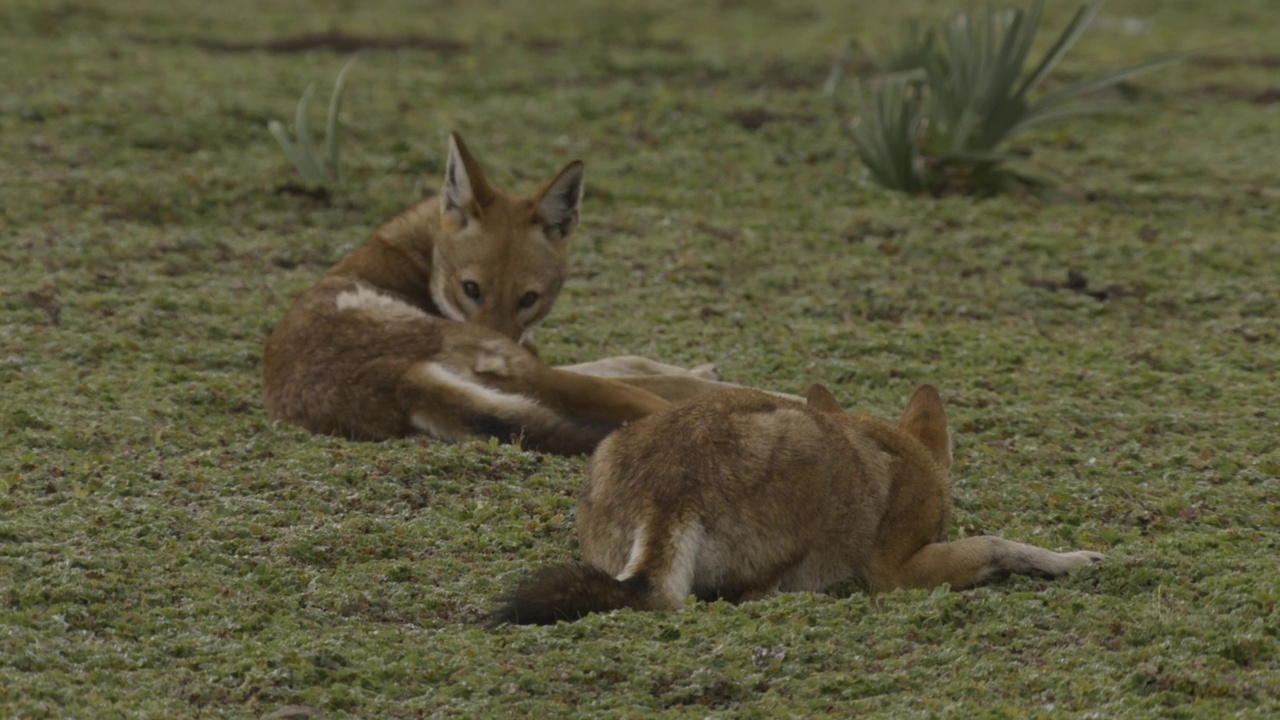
column 568, row 592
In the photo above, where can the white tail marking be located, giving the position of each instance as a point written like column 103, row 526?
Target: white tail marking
column 677, row 581
column 637, row 552
column 370, row 300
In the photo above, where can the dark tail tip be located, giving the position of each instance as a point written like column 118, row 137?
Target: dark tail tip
column 568, row 592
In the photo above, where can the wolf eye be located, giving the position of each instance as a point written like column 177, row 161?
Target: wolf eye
column 471, row 289
column 527, row 300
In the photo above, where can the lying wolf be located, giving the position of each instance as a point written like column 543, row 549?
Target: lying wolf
column 742, row 494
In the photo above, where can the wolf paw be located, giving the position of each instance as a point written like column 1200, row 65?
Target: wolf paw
column 1082, row 557
column 709, row 371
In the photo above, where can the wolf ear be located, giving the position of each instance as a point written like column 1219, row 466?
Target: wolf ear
column 557, row 204
column 819, row 398
column 465, row 189
column 925, row 420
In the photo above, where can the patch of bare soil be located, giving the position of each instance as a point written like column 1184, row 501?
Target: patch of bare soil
column 1076, row 282
column 1219, row 92
column 337, row 42
column 1226, row 61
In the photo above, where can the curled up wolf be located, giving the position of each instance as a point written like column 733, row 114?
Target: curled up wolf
column 426, row 329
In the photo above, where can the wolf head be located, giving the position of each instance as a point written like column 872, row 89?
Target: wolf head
column 500, row 260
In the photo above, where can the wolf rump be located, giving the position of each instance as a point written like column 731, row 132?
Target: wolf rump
column 426, row 328
column 741, row 494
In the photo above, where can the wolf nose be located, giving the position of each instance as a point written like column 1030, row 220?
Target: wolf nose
column 508, row 326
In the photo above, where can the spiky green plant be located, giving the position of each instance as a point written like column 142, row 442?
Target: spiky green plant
column 910, row 48
column 317, row 169
column 953, row 96
column 888, row 133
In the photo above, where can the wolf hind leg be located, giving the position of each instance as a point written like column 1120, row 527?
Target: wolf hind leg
column 634, row 365
column 499, row 364
column 973, row 560
column 450, row 407
column 676, row 388
column 668, row 382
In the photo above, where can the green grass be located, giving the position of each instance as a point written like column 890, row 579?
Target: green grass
column 168, row 551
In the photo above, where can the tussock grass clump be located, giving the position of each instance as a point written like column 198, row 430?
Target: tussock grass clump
column 951, row 97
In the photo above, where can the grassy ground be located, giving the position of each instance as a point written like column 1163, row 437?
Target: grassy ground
column 167, row 551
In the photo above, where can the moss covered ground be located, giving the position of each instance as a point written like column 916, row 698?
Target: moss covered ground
column 1110, row 357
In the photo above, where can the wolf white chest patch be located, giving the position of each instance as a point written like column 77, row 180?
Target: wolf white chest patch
column 366, row 299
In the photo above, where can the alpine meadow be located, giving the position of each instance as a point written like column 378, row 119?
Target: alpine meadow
column 1106, row 344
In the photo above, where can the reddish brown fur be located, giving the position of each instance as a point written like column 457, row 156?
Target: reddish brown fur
column 741, row 494
column 391, row 341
